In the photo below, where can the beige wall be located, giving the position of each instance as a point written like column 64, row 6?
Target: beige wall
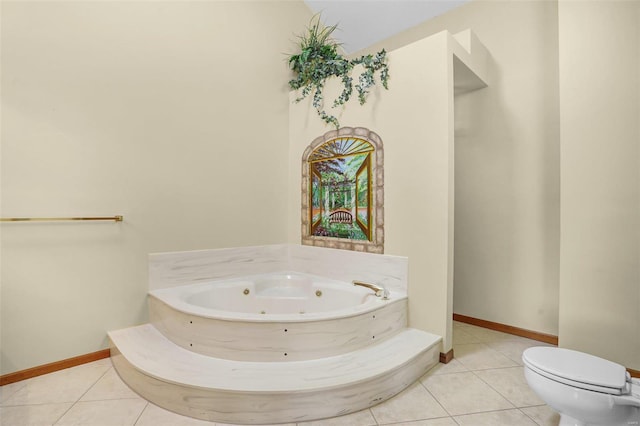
column 507, row 165
column 173, row 114
column 600, row 214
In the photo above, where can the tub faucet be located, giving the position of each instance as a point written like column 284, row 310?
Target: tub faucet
column 380, row 291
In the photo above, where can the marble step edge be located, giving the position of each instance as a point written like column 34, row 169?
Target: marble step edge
column 261, row 408
column 149, row 352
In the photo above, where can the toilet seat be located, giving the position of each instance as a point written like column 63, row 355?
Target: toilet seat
column 578, row 369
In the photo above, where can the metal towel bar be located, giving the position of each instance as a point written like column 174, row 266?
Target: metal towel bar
column 57, row 219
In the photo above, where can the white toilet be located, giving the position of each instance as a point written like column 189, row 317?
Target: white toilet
column 584, row 389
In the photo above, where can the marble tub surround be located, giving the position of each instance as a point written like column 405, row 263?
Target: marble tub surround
column 187, row 267
column 278, row 340
column 183, row 268
column 234, row 365
column 345, row 265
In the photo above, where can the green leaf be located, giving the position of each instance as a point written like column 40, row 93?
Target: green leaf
column 319, row 60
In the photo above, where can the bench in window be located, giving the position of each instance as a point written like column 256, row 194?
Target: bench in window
column 341, row 216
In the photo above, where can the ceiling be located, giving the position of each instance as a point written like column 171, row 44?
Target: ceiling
column 362, row 23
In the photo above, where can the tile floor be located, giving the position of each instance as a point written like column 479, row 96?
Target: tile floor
column 483, row 385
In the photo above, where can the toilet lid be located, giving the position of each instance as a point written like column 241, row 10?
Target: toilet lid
column 577, row 368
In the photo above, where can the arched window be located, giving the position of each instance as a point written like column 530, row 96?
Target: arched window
column 342, row 200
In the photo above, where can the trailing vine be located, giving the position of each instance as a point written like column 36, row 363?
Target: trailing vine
column 319, row 60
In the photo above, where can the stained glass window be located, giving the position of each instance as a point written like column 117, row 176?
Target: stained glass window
column 340, row 193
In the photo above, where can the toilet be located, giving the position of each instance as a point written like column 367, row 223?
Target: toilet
column 584, row 389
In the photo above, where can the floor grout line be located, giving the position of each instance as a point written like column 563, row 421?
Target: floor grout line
column 141, row 413
column 94, row 383
column 373, row 416
column 434, row 397
column 415, row 420
column 5, row 398
column 494, row 389
column 528, row 416
column 83, row 394
column 63, row 414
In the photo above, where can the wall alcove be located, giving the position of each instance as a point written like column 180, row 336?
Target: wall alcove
column 343, row 191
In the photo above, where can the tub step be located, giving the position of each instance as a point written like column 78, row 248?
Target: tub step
column 245, row 392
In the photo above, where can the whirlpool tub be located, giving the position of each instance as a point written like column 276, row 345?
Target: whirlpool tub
column 275, row 317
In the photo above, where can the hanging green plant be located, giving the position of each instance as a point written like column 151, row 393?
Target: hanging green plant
column 319, row 60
